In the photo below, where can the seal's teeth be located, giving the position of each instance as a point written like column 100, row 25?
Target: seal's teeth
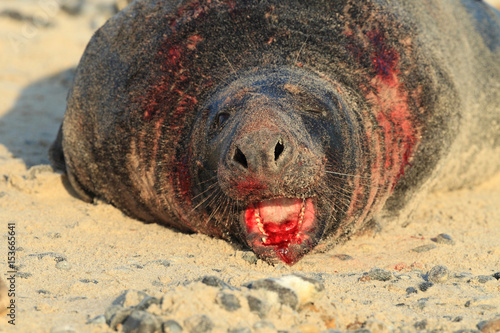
column 302, row 212
column 259, row 224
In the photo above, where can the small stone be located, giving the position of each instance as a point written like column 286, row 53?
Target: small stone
column 214, row 281
column 411, row 290
column 256, row 305
column 147, row 302
column 424, row 248
column 162, row 262
column 483, row 278
column 72, row 7
column 89, row 281
column 444, row 239
column 171, row 326
column 228, row 301
column 491, row 326
column 140, row 322
column 118, row 317
column 286, row 295
column 380, row 274
column 496, row 275
column 343, row 257
column 421, row 325
column 249, row 257
column 457, row 319
column 438, row 274
column 63, row 265
column 424, row 286
column 404, row 277
column 463, row 276
column 198, row 324
column 467, row 331
column 110, row 312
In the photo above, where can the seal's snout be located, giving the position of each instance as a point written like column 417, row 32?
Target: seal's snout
column 261, row 151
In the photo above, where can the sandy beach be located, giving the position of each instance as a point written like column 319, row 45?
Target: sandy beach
column 74, row 259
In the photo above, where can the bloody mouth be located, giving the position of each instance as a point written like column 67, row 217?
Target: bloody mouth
column 280, row 225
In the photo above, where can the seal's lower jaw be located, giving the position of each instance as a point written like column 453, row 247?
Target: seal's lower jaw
column 281, row 229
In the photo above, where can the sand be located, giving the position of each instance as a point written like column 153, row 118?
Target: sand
column 73, row 259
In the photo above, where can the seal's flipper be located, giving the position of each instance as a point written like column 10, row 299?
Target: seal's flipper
column 56, row 155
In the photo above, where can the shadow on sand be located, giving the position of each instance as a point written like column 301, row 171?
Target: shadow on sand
column 30, row 126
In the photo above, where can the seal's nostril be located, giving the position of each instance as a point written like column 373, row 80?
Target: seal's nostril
column 240, row 158
column 278, row 150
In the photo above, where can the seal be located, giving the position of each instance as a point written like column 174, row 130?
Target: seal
column 283, row 124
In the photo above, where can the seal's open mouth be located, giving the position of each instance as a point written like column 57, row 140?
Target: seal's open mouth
column 280, row 225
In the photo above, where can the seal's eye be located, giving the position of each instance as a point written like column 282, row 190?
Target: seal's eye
column 221, row 119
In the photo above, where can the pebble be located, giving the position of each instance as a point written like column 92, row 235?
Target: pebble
column 198, row 323
column 256, row 305
column 379, row 274
column 424, row 286
column 140, row 322
column 411, row 290
column 214, row 281
column 497, row 275
column 249, row 257
column 171, row 326
column 286, row 295
column 424, row 248
column 64, row 265
column 438, row 274
column 293, row 290
column 147, row 302
column 420, row 325
column 116, row 316
column 483, row 278
column 444, row 239
column 228, row 301
column 72, row 7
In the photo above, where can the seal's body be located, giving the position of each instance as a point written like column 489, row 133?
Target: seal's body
column 283, row 123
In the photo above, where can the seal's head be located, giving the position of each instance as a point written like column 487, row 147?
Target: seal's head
column 271, row 138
